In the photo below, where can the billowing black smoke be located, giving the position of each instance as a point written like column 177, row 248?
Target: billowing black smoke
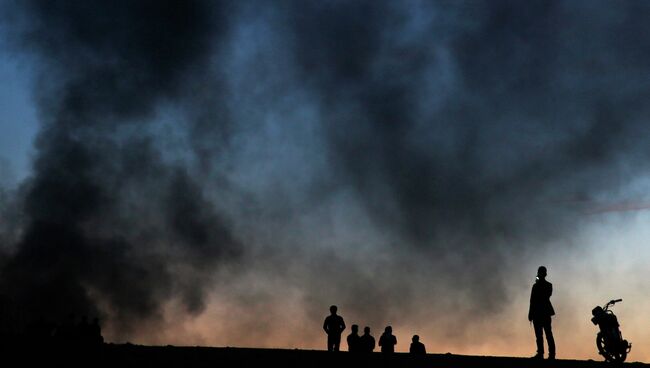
column 455, row 133
column 457, row 115
column 107, row 220
column 465, row 128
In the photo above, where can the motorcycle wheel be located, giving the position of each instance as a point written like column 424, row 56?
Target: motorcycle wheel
column 610, row 356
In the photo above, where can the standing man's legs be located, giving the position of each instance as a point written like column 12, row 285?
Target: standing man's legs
column 539, row 339
column 333, row 342
column 549, row 338
column 336, row 342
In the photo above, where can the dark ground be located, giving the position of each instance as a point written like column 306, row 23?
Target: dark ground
column 110, row 355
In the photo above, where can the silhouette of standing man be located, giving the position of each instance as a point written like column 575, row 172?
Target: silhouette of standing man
column 540, row 313
column 333, row 326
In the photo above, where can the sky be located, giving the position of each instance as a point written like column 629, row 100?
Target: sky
column 219, row 173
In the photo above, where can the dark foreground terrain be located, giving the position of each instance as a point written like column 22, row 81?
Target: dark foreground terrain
column 111, row 355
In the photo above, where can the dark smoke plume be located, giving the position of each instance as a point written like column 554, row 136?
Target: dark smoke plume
column 374, row 154
column 462, row 116
column 108, row 221
column 459, row 127
column 440, row 122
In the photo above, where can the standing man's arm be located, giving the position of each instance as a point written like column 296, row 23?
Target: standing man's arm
column 325, row 326
column 530, row 307
column 342, row 324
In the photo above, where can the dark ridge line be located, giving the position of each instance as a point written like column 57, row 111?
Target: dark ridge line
column 398, row 355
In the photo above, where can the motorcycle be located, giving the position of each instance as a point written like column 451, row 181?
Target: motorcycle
column 609, row 340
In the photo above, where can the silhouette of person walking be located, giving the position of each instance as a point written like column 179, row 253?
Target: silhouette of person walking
column 540, row 313
column 354, row 340
column 367, row 341
column 417, row 347
column 333, row 326
column 387, row 341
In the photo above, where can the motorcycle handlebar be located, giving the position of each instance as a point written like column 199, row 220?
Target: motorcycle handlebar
column 613, row 301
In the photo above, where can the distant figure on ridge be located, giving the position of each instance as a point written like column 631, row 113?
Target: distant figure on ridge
column 367, row 341
column 540, row 313
column 96, row 332
column 354, row 340
column 83, row 331
column 387, row 341
column 417, row 347
column 333, row 326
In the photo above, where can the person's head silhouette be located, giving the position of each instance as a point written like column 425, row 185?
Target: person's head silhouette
column 541, row 272
column 355, row 329
column 388, row 330
column 416, row 338
column 366, row 330
column 333, row 309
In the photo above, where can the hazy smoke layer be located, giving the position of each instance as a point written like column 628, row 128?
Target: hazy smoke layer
column 384, row 156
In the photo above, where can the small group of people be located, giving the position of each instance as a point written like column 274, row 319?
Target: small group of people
column 359, row 344
column 78, row 332
column 539, row 314
column 81, row 331
column 334, row 327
